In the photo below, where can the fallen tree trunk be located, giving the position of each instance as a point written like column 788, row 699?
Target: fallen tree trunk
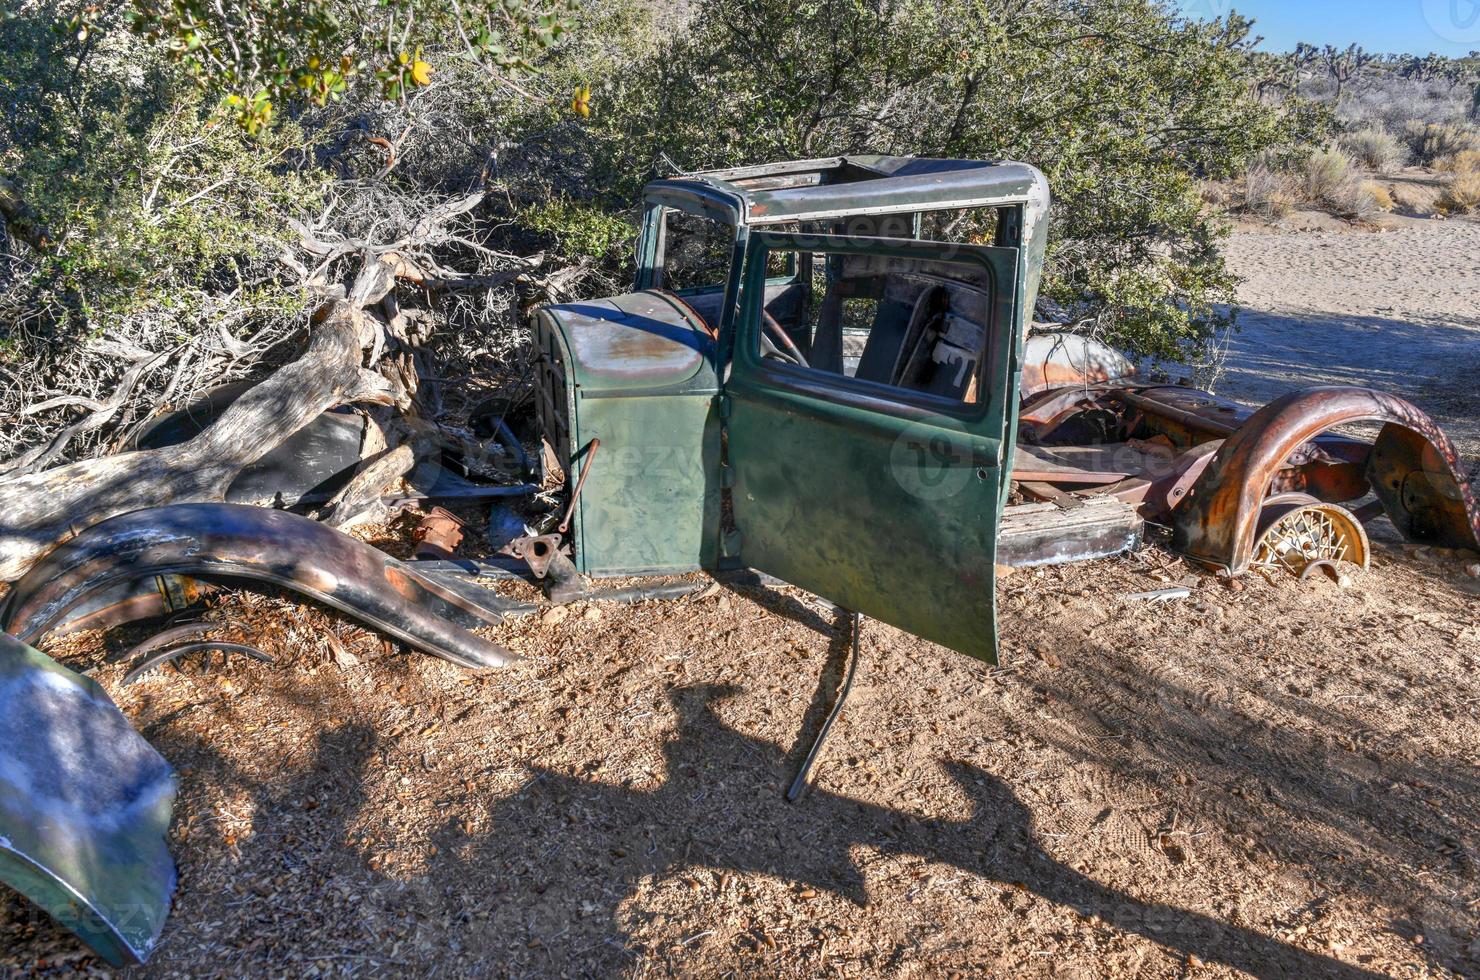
column 39, row 510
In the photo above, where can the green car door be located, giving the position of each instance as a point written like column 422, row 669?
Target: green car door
column 873, row 473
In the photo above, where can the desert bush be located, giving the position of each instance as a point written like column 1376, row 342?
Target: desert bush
column 580, row 229
column 1389, row 101
column 1326, row 180
column 164, row 230
column 1324, row 174
column 1132, row 246
column 1352, row 198
column 1433, row 142
column 1463, row 162
column 1462, row 194
column 172, row 224
column 1376, row 149
column 1263, row 191
column 1382, row 198
column 258, row 55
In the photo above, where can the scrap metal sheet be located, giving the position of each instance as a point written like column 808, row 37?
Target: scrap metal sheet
column 84, row 806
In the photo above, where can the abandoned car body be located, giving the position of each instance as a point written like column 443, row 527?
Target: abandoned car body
column 825, row 373
column 822, row 375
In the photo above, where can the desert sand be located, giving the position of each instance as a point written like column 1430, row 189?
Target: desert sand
column 1397, row 310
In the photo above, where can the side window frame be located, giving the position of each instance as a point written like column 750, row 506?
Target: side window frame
column 656, row 240
column 856, row 392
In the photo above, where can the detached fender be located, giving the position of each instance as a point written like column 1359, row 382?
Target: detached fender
column 235, row 542
column 1412, row 468
column 84, row 806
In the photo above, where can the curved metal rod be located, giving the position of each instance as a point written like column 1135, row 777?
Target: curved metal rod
column 188, row 631
column 233, row 543
column 855, row 653
column 575, row 495
column 148, row 663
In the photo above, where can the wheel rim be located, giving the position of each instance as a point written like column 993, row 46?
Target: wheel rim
column 1299, row 538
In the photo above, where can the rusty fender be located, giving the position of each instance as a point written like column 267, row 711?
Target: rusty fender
column 1412, row 468
column 235, row 542
column 1060, row 359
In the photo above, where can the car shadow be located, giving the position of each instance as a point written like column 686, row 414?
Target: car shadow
column 717, row 778
column 555, row 875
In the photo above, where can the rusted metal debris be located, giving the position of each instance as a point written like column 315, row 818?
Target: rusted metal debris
column 537, row 551
column 575, row 495
column 238, row 544
column 438, row 535
column 1411, row 467
column 1223, row 477
column 180, row 641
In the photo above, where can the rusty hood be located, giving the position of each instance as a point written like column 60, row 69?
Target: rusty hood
column 640, row 341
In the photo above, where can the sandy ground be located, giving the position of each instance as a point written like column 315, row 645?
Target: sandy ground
column 1397, row 310
column 1269, row 780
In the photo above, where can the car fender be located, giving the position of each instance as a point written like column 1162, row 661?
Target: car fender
column 1413, row 469
column 84, row 806
column 234, row 542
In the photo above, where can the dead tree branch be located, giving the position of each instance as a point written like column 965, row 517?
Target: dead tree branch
column 43, row 508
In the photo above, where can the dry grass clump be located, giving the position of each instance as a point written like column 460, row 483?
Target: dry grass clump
column 1433, row 142
column 1462, row 195
column 1324, row 174
column 1261, row 191
column 1375, row 148
column 1464, row 162
column 1327, row 180
column 1382, row 198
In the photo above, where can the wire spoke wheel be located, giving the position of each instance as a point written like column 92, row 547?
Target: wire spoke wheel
column 1302, row 535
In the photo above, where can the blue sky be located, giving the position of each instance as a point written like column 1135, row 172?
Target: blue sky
column 1450, row 27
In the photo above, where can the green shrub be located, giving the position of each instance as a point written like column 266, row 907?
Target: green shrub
column 580, row 229
column 1164, row 105
column 1435, row 141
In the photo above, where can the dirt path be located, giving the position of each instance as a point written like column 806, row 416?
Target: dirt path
column 1273, row 780
column 1398, row 310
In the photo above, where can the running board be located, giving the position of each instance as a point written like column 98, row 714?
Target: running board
column 1047, row 534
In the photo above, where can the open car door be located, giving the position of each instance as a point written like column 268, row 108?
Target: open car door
column 867, row 434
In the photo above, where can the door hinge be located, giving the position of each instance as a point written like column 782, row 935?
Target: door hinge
column 726, row 476
column 722, row 405
column 730, row 543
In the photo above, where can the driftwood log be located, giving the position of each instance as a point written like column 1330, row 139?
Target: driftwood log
column 38, row 510
column 342, row 364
